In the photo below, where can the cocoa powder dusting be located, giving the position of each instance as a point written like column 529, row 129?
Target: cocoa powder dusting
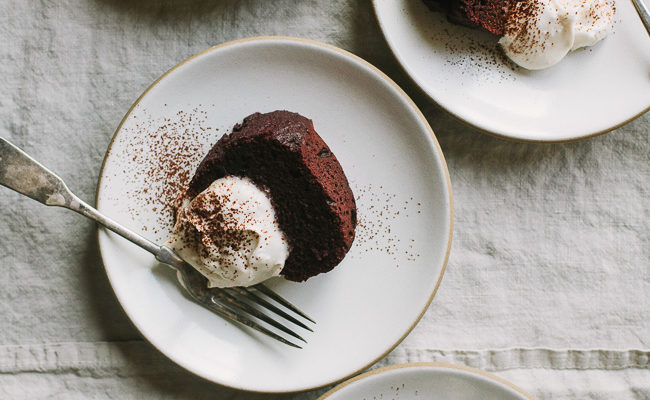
column 378, row 211
column 161, row 154
column 522, row 16
column 475, row 54
column 215, row 222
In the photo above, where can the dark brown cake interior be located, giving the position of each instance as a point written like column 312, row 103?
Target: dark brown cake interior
column 487, row 15
column 314, row 205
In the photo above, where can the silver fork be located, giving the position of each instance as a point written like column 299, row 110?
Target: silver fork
column 644, row 15
column 20, row 172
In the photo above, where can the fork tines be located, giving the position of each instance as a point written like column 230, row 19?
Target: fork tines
column 242, row 303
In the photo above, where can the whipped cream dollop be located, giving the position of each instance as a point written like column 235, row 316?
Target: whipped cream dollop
column 539, row 33
column 230, row 234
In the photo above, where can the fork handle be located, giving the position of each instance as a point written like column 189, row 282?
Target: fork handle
column 644, row 15
column 20, row 172
column 162, row 253
column 86, row 210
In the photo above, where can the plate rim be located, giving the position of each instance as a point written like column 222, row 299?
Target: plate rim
column 417, row 365
column 380, row 74
column 479, row 128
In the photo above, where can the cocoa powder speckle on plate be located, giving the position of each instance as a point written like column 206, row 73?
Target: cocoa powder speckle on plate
column 161, row 154
column 378, row 210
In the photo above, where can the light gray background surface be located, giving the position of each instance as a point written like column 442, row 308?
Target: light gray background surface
column 548, row 283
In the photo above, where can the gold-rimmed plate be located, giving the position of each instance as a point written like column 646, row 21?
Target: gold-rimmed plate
column 366, row 305
column 420, row 381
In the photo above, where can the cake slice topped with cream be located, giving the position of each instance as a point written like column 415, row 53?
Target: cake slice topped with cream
column 535, row 34
column 270, row 198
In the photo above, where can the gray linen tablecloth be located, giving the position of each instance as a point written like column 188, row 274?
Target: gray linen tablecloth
column 548, row 284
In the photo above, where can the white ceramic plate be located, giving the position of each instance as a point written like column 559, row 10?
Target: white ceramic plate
column 591, row 91
column 364, row 307
column 426, row 381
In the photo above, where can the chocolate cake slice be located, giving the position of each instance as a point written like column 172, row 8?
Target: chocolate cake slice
column 282, row 154
column 487, row 15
